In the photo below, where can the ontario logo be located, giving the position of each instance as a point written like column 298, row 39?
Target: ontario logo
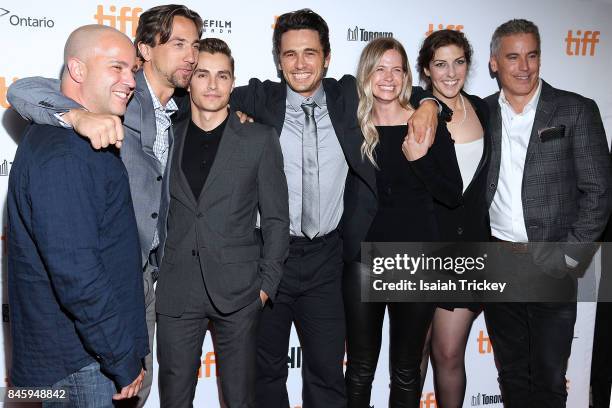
column 361, row 34
column 26, row 21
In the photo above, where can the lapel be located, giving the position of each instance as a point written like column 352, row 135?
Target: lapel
column 229, row 141
column 477, row 104
column 351, row 143
column 278, row 105
column 142, row 119
column 543, row 116
column 183, row 193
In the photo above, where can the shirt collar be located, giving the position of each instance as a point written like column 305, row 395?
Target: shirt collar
column 295, row 100
column 531, row 105
column 170, row 107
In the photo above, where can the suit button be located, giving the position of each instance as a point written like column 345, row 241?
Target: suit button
column 154, row 215
column 159, row 178
column 200, row 215
column 492, row 185
column 459, row 231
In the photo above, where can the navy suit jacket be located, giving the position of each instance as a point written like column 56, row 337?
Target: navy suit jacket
column 74, row 274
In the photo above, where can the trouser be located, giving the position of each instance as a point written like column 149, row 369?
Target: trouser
column 408, row 325
column 309, row 295
column 532, row 343
column 179, row 351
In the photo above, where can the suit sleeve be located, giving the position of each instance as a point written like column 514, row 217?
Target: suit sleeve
column 419, row 94
column 274, row 214
column 65, row 222
column 39, row 99
column 439, row 170
column 593, row 177
column 243, row 98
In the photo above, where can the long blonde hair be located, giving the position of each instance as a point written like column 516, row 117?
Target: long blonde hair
column 370, row 57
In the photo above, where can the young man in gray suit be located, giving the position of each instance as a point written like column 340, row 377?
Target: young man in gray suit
column 218, row 267
column 167, row 41
column 549, row 181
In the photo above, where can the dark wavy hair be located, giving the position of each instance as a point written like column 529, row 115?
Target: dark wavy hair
column 158, row 21
column 436, row 40
column 304, row 19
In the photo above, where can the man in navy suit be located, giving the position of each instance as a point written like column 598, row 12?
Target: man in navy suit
column 75, row 279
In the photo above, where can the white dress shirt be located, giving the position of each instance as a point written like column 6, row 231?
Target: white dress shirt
column 506, row 211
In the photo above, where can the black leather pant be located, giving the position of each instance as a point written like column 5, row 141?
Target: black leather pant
column 408, row 323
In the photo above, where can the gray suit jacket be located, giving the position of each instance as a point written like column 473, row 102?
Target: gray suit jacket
column 566, row 191
column 39, row 99
column 218, row 227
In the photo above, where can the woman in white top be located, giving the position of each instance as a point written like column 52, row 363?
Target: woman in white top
column 443, row 64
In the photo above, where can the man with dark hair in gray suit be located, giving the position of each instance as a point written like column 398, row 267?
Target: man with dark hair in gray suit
column 217, row 266
column 549, row 181
column 167, row 41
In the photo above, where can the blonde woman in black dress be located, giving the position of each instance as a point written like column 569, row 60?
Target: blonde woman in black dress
column 410, row 178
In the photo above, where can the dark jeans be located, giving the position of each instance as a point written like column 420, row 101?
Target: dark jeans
column 309, row 295
column 532, row 343
column 87, row 388
column 408, row 324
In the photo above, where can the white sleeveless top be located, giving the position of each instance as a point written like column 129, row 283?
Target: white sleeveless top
column 468, row 157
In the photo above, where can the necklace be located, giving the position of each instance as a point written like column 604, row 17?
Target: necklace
column 464, row 113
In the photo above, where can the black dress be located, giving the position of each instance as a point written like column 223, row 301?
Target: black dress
column 407, row 192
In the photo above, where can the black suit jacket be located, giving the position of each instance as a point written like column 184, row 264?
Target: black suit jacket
column 469, row 221
column 218, row 227
column 265, row 102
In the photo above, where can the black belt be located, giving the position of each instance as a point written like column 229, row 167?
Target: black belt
column 293, row 239
column 516, row 247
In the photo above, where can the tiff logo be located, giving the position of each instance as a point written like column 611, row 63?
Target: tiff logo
column 428, row 400
column 484, row 344
column 209, row 361
column 126, row 15
column 588, row 40
column 431, row 29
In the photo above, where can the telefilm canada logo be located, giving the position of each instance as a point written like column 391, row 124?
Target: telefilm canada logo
column 20, row 20
column 361, row 34
column 213, row 26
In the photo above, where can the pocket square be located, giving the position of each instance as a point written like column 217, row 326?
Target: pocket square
column 549, row 133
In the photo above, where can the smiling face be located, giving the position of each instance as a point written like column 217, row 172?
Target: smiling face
column 108, row 80
column 212, row 82
column 517, row 64
column 447, row 71
column 302, row 60
column 387, row 79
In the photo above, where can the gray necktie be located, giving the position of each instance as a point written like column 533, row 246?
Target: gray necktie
column 310, row 174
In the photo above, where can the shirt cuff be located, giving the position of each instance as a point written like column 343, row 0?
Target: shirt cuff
column 60, row 119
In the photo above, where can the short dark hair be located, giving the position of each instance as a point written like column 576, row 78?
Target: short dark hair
column 304, row 19
column 439, row 39
column 512, row 27
column 217, row 45
column 158, row 21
